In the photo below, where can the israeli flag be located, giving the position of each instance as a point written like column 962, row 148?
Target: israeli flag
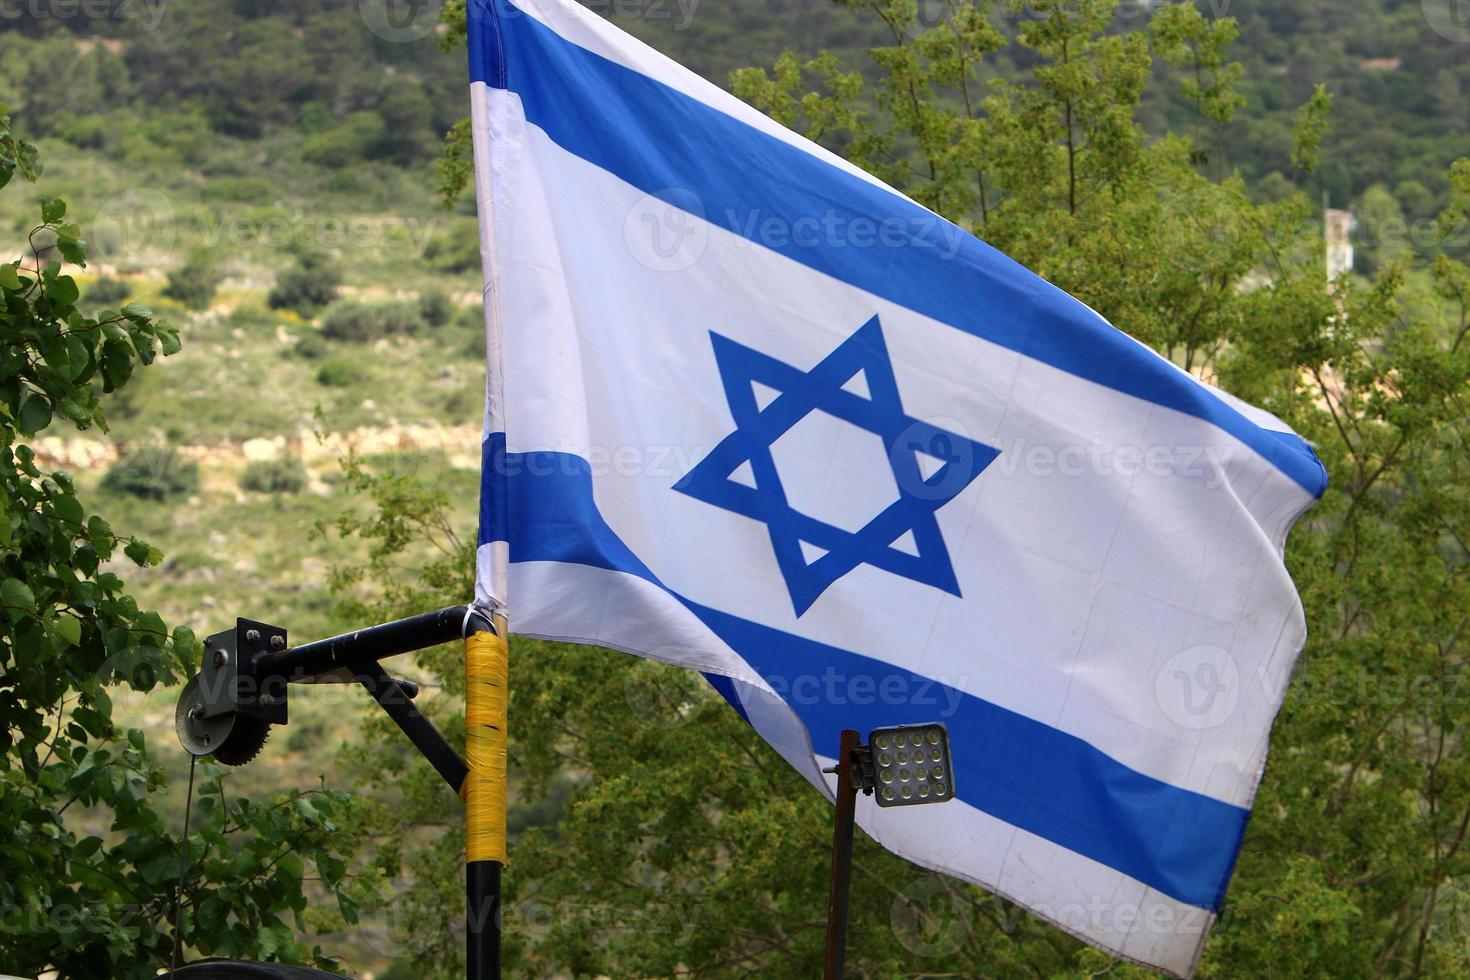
column 755, row 413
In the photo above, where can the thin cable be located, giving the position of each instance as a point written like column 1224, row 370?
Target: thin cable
column 183, row 869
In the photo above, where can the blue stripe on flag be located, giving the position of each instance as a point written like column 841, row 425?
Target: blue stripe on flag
column 1028, row 774
column 673, row 146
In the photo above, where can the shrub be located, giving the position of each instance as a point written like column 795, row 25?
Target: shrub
column 339, row 372
column 361, row 323
column 193, row 286
column 308, row 286
column 457, row 250
column 471, row 318
column 277, row 476
column 87, row 132
column 108, row 292
column 238, row 189
column 153, row 473
column 312, row 347
column 436, row 308
column 351, row 141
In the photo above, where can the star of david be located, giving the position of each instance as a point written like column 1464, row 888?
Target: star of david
column 931, row 466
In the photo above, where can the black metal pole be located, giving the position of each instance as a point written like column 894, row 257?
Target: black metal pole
column 482, row 877
column 842, row 828
column 396, row 701
column 482, row 889
column 352, row 651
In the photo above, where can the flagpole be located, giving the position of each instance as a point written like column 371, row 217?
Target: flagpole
column 487, row 696
column 842, row 829
column 486, row 653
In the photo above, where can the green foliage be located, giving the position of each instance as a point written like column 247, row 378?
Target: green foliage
column 193, row 285
column 1383, row 233
column 312, row 346
column 353, row 322
column 339, row 371
column 90, row 864
column 278, row 476
column 455, row 250
column 153, row 473
column 107, row 291
column 309, row 285
column 435, row 308
column 350, row 141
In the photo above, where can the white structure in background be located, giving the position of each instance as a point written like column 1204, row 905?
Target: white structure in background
column 1340, row 228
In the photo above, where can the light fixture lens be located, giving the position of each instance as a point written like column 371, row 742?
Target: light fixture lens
column 912, row 765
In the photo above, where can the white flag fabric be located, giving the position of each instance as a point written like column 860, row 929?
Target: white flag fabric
column 755, row 413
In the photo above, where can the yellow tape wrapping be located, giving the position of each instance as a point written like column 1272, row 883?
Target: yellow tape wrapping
column 487, row 673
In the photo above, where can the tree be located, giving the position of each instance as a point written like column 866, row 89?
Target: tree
column 308, row 285
column 91, row 868
column 687, row 846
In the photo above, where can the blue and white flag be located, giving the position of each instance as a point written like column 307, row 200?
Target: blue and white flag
column 755, row 413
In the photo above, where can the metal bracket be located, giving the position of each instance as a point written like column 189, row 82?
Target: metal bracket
column 229, row 682
column 864, row 773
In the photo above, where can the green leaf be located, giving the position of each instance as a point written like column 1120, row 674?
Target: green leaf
column 68, row 630
column 9, row 278
column 63, row 292
column 35, row 414
column 17, row 595
column 142, row 553
column 168, row 339
column 73, row 250
column 53, row 209
column 68, row 508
